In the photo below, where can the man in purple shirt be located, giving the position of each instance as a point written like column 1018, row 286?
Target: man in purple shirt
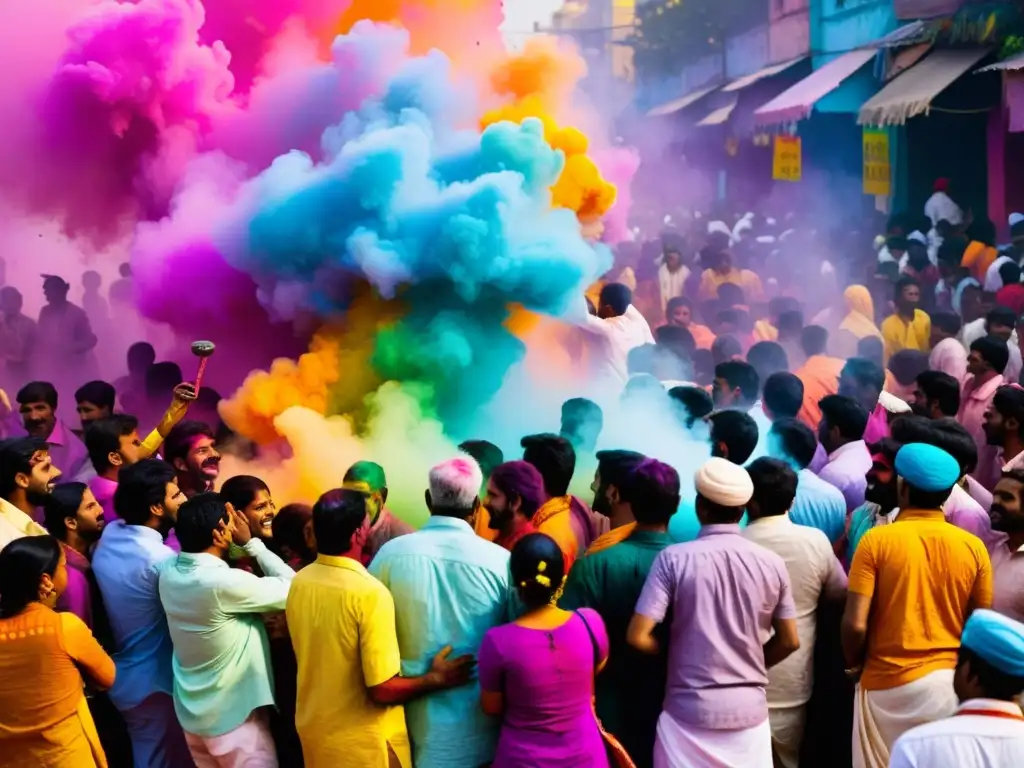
column 37, row 404
column 113, row 442
column 725, row 595
column 841, row 434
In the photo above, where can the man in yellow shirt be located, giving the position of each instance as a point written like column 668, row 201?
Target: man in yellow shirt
column 342, row 623
column 908, row 327
column 913, row 584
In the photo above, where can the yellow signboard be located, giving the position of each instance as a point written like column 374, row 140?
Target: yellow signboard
column 786, row 159
column 876, row 163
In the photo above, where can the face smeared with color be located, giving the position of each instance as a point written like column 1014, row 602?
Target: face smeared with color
column 202, row 463
column 260, row 513
column 38, row 484
column 498, row 506
column 38, row 418
column 1006, row 512
column 881, row 479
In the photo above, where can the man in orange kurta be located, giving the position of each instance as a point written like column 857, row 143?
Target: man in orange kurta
column 820, row 374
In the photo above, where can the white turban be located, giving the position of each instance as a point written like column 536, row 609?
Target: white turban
column 891, row 403
column 722, row 482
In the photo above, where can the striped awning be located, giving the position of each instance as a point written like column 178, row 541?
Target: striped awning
column 1011, row 64
column 676, row 105
column 747, row 80
column 796, row 102
column 911, row 93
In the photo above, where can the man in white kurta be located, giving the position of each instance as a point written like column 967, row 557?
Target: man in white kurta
column 987, row 730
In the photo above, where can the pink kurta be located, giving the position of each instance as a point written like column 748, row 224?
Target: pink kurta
column 974, row 401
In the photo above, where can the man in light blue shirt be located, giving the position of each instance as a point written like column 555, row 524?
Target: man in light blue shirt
column 222, row 675
column 449, row 586
column 817, row 504
column 125, row 566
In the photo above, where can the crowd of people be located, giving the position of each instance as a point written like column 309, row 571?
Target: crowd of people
column 844, row 584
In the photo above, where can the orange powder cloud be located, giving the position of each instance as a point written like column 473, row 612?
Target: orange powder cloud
column 534, row 83
column 466, row 30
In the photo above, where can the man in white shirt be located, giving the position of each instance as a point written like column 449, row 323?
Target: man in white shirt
column 940, row 206
column 815, row 575
column 999, row 322
column 987, row 730
column 617, row 328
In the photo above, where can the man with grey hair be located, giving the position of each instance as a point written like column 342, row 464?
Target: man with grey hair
column 449, row 586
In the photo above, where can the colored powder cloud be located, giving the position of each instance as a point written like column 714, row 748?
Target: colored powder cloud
column 125, row 108
column 454, row 224
column 536, row 82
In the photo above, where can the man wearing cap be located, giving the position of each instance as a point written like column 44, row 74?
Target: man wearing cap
column 725, row 595
column 987, row 730
column 64, row 335
column 912, row 586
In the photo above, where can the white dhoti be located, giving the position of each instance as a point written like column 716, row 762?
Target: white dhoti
column 881, row 717
column 787, row 724
column 679, row 745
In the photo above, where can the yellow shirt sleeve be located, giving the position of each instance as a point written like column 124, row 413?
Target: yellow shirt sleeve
column 862, row 570
column 981, row 595
column 155, row 438
column 378, row 638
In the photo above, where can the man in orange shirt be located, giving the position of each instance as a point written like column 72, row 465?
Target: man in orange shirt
column 564, row 518
column 913, row 584
column 820, row 374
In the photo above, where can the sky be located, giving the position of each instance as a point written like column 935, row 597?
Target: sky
column 520, row 15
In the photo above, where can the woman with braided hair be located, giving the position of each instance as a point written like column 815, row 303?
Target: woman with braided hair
column 537, row 673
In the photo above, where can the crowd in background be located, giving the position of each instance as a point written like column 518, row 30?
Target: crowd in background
column 843, row 585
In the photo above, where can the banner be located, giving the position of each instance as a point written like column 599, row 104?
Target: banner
column 786, row 159
column 877, row 173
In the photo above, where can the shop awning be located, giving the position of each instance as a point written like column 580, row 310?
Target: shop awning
column 912, row 93
column 721, row 115
column 1011, row 64
column 671, row 107
column 742, row 82
column 796, row 102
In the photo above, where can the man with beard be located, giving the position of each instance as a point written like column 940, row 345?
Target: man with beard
column 880, row 504
column 613, row 469
column 1008, row 555
column 515, row 491
column 146, row 506
column 908, row 327
column 936, row 396
column 629, row 692
column 191, row 449
column 985, row 367
column 75, row 519
column 368, row 477
column 113, row 442
column 27, row 476
column 900, row 634
column 1004, row 426
column 37, row 404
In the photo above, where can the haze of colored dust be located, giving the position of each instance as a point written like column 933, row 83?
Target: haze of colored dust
column 416, row 218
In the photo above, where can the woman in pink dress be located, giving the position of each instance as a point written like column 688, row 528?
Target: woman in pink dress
column 537, row 673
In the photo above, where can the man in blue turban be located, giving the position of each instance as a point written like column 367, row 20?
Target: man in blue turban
column 912, row 586
column 988, row 728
